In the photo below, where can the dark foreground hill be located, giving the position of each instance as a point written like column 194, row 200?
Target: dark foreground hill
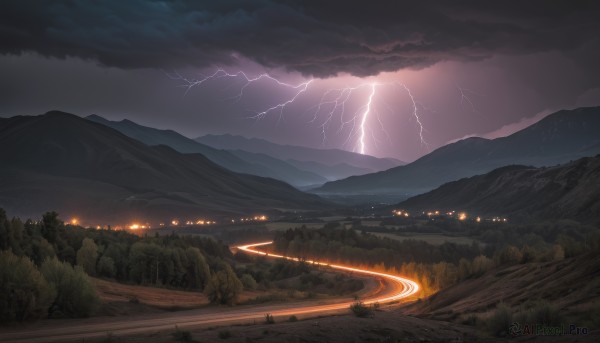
column 558, row 138
column 571, row 287
column 59, row 161
column 570, row 191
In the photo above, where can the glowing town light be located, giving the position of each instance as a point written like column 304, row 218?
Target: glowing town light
column 74, row 221
column 462, row 216
column 478, row 219
column 134, row 226
column 174, row 222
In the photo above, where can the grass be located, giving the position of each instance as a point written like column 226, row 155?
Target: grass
column 500, row 321
column 158, row 297
column 540, row 312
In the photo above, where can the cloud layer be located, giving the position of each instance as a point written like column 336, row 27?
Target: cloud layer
column 318, row 38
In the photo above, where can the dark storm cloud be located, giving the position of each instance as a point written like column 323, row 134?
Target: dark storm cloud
column 320, row 38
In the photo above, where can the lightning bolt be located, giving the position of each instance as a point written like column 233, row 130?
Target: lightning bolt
column 415, row 113
column 465, row 98
column 188, row 84
column 364, row 119
column 332, row 102
column 301, row 89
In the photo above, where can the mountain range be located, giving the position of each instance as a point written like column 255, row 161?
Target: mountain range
column 330, row 163
column 571, row 190
column 558, row 138
column 59, row 161
column 237, row 161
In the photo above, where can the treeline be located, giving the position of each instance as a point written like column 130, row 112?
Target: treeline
column 59, row 257
column 573, row 237
column 338, row 244
column 434, row 267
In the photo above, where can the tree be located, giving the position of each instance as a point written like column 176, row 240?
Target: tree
column 41, row 250
column 197, row 269
column 144, row 260
column 106, row 267
column 118, row 253
column 248, row 281
column 17, row 228
column 24, row 293
column 51, row 226
column 4, row 230
column 224, row 286
column 510, row 255
column 87, row 256
column 481, row 264
column 75, row 293
column 558, row 253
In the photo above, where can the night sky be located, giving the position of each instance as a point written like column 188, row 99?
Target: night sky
column 484, row 68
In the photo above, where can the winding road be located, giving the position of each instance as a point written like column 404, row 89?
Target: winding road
column 396, row 288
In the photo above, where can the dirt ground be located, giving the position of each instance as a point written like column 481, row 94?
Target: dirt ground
column 383, row 326
column 121, row 299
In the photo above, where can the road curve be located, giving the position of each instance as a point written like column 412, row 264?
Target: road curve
column 79, row 329
column 404, row 287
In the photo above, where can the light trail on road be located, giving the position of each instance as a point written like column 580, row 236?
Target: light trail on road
column 409, row 287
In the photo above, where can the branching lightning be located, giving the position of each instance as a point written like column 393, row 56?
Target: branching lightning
column 333, row 102
column 416, row 114
column 220, row 73
column 466, row 98
column 365, row 116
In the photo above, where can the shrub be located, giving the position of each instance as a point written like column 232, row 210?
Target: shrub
column 500, row 320
column 76, row 296
column 24, row 292
column 359, row 309
column 541, row 312
column 471, row 320
column 223, row 287
column 248, row 281
column 224, row 334
column 293, row 319
column 182, row 336
column 269, row 319
column 87, row 255
column 106, row 267
column 510, row 255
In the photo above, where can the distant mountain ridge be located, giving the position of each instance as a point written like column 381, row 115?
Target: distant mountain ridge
column 570, row 190
column 255, row 165
column 321, row 160
column 58, row 161
column 560, row 137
